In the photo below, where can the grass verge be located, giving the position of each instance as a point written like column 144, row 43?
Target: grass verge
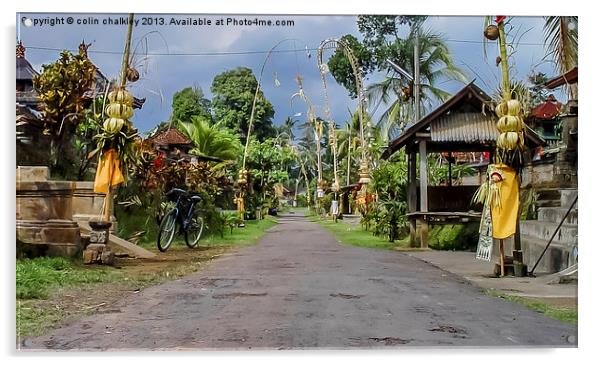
column 54, row 290
column 37, row 277
column 241, row 236
column 355, row 235
column 563, row 314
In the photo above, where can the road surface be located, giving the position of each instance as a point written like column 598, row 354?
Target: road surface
column 300, row 288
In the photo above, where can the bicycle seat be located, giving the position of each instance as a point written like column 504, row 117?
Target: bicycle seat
column 195, row 198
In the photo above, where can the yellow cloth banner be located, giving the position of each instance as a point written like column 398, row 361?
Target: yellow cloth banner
column 108, row 172
column 503, row 216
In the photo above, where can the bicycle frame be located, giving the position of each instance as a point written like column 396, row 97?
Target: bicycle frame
column 184, row 220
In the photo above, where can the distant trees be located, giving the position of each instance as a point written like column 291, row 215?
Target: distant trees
column 233, row 93
column 188, row 103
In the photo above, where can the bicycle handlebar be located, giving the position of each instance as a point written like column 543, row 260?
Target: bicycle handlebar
column 176, row 190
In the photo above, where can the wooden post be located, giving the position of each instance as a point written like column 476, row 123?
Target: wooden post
column 423, row 195
column 108, row 207
column 502, row 258
column 412, row 192
column 517, row 253
column 449, row 169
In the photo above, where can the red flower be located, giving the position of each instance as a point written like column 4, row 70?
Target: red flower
column 158, row 161
column 500, row 18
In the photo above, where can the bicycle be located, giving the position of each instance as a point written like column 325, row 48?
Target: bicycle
column 190, row 224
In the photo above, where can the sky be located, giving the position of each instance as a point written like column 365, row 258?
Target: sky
column 171, row 56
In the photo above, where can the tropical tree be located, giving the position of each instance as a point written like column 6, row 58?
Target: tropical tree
column 436, row 65
column 188, row 103
column 211, row 139
column 341, row 69
column 287, row 129
column 561, row 38
column 233, row 94
column 62, row 87
column 269, row 163
column 387, row 37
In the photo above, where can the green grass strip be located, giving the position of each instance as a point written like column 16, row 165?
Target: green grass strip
column 562, row 314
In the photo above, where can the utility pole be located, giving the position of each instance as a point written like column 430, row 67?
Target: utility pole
column 417, row 75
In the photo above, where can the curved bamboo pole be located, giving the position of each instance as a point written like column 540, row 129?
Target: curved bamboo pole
column 339, row 43
column 240, row 196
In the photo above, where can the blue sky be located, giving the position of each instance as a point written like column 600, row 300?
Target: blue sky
column 167, row 64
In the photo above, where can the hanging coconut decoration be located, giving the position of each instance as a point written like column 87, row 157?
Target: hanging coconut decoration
column 242, row 178
column 132, row 75
column 510, row 124
column 335, row 187
column 491, row 32
column 118, row 111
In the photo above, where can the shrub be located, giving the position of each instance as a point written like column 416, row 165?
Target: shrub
column 455, row 237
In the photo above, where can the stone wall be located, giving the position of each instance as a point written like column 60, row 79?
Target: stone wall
column 87, row 205
column 45, row 213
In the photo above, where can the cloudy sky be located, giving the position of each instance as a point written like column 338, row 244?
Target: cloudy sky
column 171, row 57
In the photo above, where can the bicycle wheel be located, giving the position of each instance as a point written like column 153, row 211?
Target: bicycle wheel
column 167, row 230
column 192, row 235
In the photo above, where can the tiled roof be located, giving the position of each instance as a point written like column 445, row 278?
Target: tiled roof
column 24, row 70
column 548, row 109
column 169, row 136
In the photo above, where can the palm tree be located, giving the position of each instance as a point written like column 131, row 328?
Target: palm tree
column 436, row 65
column 561, row 39
column 289, row 126
column 211, row 139
column 349, row 145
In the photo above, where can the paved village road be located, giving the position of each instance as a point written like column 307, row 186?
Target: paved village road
column 300, row 288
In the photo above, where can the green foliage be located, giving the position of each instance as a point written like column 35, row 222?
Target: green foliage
column 562, row 41
column 231, row 220
column 456, row 237
column 269, row 163
column 387, row 215
column 36, row 277
column 190, row 103
column 380, row 29
column 340, row 66
column 233, row 93
column 436, row 66
column 211, row 140
column 393, row 37
column 528, row 199
column 61, row 87
column 151, row 177
column 438, row 170
column 285, row 132
column 537, row 89
column 83, row 141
